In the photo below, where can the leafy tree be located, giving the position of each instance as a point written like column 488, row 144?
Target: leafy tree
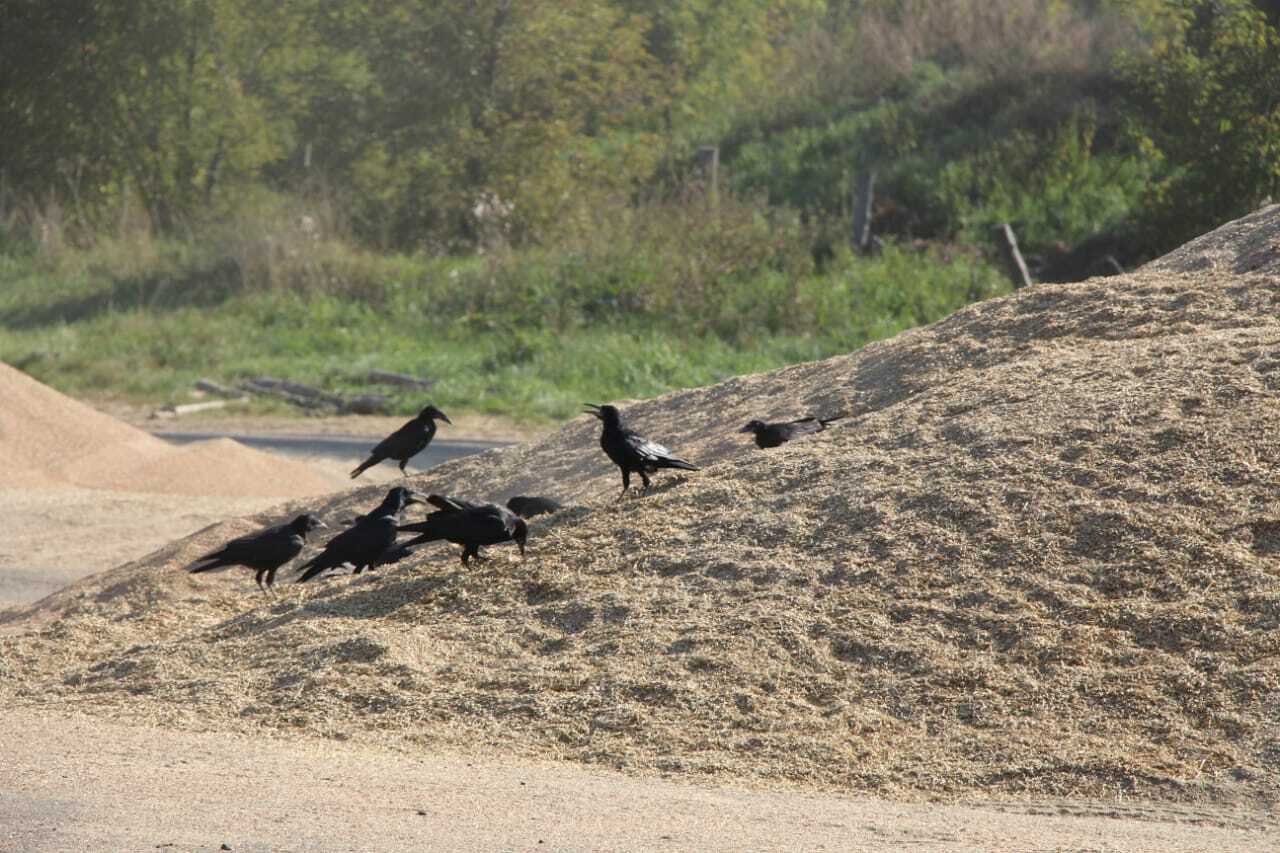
column 1207, row 104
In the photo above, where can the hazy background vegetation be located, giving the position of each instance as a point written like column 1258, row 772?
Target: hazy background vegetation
column 502, row 195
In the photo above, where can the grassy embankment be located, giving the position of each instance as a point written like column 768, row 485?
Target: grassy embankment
column 662, row 297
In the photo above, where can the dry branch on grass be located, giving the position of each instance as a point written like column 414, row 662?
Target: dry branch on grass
column 1039, row 558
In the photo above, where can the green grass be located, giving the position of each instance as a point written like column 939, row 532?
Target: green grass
column 530, row 335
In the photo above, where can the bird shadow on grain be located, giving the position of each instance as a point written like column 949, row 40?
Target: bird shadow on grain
column 1263, row 538
column 1266, row 537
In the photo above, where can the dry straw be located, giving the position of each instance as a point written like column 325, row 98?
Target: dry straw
column 1040, row 557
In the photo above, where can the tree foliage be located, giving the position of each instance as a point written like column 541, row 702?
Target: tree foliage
column 464, row 122
column 1206, row 102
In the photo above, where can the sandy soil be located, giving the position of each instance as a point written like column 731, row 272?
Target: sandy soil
column 84, row 491
column 66, row 778
column 112, row 528
column 37, row 558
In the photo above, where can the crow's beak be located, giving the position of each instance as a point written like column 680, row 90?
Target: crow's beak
column 320, row 523
column 592, row 409
column 414, row 498
column 747, row 428
column 445, row 418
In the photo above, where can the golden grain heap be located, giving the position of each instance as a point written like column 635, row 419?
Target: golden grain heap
column 1041, row 556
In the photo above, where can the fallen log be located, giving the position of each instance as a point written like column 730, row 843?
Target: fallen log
column 402, row 380
column 174, row 411
column 366, row 404
column 211, row 387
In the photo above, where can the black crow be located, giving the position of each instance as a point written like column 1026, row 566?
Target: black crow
column 527, row 507
column 392, row 555
column 631, row 452
column 366, row 541
column 406, row 442
column 468, row 524
column 775, row 435
column 264, row 551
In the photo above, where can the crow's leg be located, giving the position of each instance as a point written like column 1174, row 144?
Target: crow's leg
column 271, row 580
column 258, row 579
column 644, row 478
column 403, row 462
column 626, row 483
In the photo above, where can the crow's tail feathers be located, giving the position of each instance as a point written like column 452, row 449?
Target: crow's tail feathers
column 201, row 566
column 420, row 540
column 673, row 462
column 364, row 466
column 310, row 569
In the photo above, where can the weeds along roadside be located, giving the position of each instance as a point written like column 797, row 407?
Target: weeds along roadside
column 659, row 295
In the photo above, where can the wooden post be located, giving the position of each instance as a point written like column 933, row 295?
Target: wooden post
column 863, row 195
column 1014, row 264
column 709, row 165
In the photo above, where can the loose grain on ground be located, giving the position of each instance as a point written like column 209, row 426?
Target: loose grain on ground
column 1039, row 558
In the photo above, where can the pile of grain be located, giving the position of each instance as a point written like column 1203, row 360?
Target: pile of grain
column 1041, row 556
column 48, row 440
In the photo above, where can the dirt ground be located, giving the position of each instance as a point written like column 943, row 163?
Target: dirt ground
column 65, row 777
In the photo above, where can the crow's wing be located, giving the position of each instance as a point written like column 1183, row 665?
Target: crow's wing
column 401, row 442
column 647, row 450
column 652, row 453
column 480, row 524
column 273, row 546
column 804, row 426
column 483, row 524
column 394, row 555
column 529, row 506
column 363, row 543
column 445, row 503
column 445, row 506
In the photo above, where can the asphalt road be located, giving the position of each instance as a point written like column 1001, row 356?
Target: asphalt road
column 346, row 447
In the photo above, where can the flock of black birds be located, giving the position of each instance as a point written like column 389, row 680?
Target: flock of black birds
column 370, row 540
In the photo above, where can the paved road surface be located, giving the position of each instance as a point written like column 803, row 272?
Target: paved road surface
column 354, row 448
column 79, row 783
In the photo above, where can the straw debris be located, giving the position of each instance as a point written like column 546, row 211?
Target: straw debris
column 1039, row 558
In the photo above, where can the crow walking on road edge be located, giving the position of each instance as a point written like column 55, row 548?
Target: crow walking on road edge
column 406, row 442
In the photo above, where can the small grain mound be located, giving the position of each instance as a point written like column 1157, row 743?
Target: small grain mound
column 48, row 440
column 1247, row 245
column 1040, row 557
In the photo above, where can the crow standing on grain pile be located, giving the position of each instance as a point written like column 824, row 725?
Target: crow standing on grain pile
column 468, row 524
column 527, row 506
column 264, row 551
column 406, row 442
column 776, row 435
column 366, row 541
column 632, row 452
